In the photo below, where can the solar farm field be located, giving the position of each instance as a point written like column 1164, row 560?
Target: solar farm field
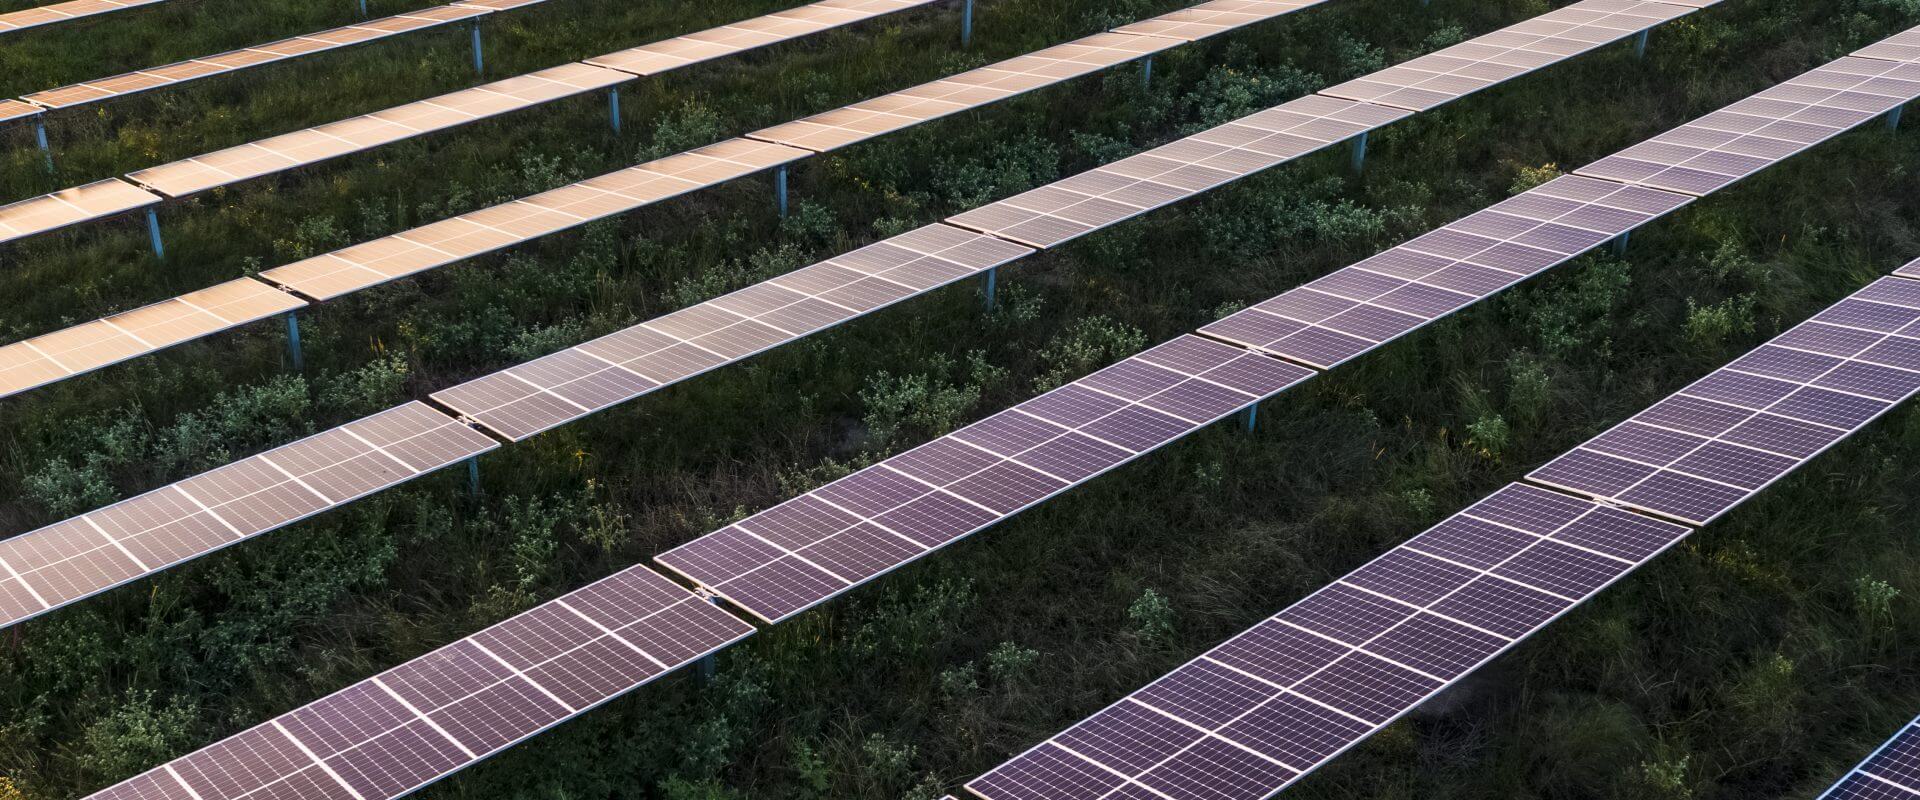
column 757, row 399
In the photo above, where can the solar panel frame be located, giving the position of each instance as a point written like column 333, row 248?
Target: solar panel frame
column 726, row 40
column 1709, row 470
column 38, row 361
column 1357, row 309
column 1214, row 18
column 101, row 89
column 959, row 484
column 40, row 16
column 420, row 721
column 1891, row 772
column 526, row 400
column 67, row 207
column 79, row 557
column 1463, row 69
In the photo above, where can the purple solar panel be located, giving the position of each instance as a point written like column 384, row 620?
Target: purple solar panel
column 1301, row 687
column 1359, row 308
column 416, row 723
column 1891, row 773
column 1736, row 431
column 47, row 568
column 802, row 552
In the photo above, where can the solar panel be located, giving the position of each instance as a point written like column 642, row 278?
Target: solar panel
column 807, row 550
column 1214, row 18
column 79, row 557
column 66, row 207
column 1301, row 687
column 1741, row 139
column 334, row 139
column 14, row 110
column 61, row 12
column 1900, row 47
column 1891, row 773
column 1717, row 442
column 194, row 69
column 1255, row 713
column 84, row 348
column 781, row 26
column 969, row 90
column 1911, row 270
column 442, row 712
column 1060, row 212
column 476, row 233
column 1354, row 310
column 536, row 396
column 1460, row 70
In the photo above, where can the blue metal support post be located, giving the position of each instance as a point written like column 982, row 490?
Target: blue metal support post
column 363, row 8
column 708, row 664
column 1360, row 151
column 1620, row 244
column 1893, row 124
column 966, row 24
column 780, row 189
column 613, row 108
column 1146, row 71
column 153, row 233
column 1640, row 43
column 40, row 136
column 1252, row 416
column 479, row 61
column 293, row 342
column 473, row 476
column 992, row 278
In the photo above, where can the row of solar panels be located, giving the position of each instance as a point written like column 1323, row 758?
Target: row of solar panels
column 25, row 18
column 150, row 187
column 67, row 561
column 888, row 514
column 1891, row 773
column 1191, row 357
column 75, row 351
column 1301, row 127
column 79, row 94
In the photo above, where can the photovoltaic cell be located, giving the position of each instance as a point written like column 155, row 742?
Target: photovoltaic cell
column 900, row 509
column 1363, row 651
column 1452, row 73
column 1354, row 310
column 194, row 69
column 536, row 396
column 1739, row 429
column 62, row 12
column 1891, row 773
column 476, row 233
column 990, row 84
column 416, row 723
column 58, row 564
column 84, row 348
column 780, row 26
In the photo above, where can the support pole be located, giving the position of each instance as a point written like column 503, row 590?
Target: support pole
column 153, row 233
column 707, row 664
column 40, row 136
column 966, row 24
column 293, row 342
column 613, row 108
column 992, row 278
column 780, row 189
column 363, row 8
column 1620, row 244
column 1893, row 124
column 1146, row 71
column 479, row 60
column 473, row 476
column 1252, row 416
column 1360, row 151
column 1640, row 43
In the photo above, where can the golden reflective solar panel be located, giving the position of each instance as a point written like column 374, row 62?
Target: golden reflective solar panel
column 653, row 59
column 62, row 12
column 71, row 206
